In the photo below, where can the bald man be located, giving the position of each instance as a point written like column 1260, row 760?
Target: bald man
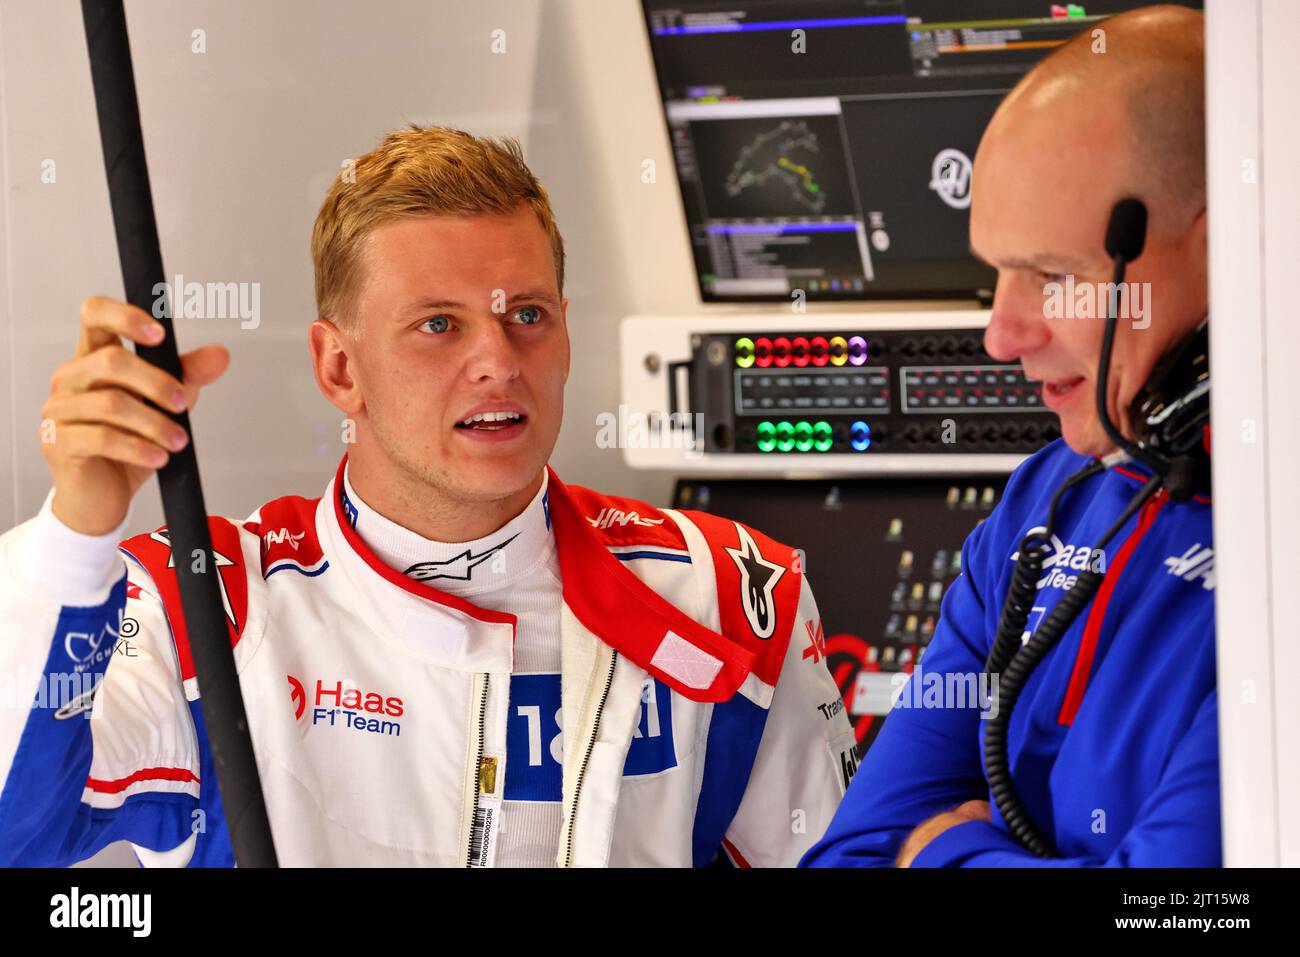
column 1112, row 744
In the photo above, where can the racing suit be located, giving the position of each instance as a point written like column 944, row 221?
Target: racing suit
column 386, row 713
column 1113, row 742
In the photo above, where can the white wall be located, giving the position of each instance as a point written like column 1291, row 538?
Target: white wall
column 1254, row 195
column 242, row 142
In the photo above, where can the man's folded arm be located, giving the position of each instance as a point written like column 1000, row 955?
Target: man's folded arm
column 1177, row 826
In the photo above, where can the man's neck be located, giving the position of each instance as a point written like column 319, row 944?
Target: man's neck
column 500, row 559
column 431, row 515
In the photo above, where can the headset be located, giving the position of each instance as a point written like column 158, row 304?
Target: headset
column 1169, row 420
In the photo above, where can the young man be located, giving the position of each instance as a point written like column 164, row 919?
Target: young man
column 1113, row 742
column 451, row 658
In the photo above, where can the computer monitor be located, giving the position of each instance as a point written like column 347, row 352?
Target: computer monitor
column 827, row 145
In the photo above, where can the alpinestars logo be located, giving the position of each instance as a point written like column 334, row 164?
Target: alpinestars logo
column 758, row 577
column 220, row 560
column 609, row 517
column 1196, row 562
column 460, row 568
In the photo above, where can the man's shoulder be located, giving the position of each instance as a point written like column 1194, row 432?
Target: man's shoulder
column 279, row 535
column 1031, row 486
column 754, row 582
column 283, row 528
column 620, row 521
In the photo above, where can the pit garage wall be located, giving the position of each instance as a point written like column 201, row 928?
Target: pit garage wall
column 1254, row 201
column 243, row 139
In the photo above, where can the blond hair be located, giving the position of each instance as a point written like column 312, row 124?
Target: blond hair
column 413, row 172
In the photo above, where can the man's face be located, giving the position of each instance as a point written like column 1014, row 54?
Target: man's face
column 1041, row 200
column 459, row 317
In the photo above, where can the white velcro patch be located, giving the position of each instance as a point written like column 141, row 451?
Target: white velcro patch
column 678, row 658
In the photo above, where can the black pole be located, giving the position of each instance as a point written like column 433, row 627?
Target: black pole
column 182, row 495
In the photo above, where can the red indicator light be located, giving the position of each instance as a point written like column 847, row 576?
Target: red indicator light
column 820, row 351
column 781, row 352
column 799, row 349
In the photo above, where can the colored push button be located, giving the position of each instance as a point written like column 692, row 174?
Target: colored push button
column 762, row 352
column 800, row 436
column 803, row 436
column 857, row 350
column 784, row 437
column 743, row 350
column 860, row 436
column 781, row 352
column 822, row 440
column 839, row 350
column 820, row 350
column 800, row 351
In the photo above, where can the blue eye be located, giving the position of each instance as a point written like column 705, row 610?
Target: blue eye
column 437, row 324
column 537, row 317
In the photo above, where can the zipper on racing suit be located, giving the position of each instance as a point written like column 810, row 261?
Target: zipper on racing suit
column 475, row 846
column 586, row 758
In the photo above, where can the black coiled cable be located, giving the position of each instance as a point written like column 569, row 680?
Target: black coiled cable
column 1034, row 550
column 1009, row 665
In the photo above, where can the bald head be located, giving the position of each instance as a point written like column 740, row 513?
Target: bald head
column 1116, row 112
column 1133, row 84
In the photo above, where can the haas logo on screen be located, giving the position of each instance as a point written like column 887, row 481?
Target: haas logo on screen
column 758, row 577
column 950, row 177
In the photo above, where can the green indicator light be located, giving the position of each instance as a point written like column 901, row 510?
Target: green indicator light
column 744, row 349
column 766, row 436
column 784, row 437
column 803, row 436
column 822, row 441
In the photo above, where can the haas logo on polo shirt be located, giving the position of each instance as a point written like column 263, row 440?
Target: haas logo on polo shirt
column 758, row 577
column 341, row 704
column 298, row 697
column 1064, row 562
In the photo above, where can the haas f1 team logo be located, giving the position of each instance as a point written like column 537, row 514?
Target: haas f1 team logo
column 298, row 696
column 758, row 577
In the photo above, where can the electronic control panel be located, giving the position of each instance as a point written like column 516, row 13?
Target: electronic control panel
column 880, row 554
column 843, row 395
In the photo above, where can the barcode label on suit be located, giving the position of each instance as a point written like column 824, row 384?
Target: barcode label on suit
column 481, row 837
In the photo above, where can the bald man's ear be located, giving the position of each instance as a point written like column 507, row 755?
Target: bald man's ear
column 332, row 363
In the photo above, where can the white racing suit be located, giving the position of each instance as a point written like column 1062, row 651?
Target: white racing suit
column 378, row 705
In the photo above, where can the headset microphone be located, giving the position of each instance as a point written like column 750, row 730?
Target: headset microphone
column 1126, row 234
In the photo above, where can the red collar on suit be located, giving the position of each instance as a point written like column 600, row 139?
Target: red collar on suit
column 603, row 594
